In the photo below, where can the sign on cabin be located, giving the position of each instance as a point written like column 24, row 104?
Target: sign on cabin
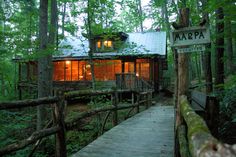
column 191, row 49
column 189, row 36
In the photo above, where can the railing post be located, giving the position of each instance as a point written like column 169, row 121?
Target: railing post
column 59, row 120
column 146, row 96
column 138, row 99
column 114, row 103
column 212, row 114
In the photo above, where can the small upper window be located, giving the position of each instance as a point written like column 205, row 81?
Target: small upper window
column 107, row 43
column 104, row 45
column 99, row 44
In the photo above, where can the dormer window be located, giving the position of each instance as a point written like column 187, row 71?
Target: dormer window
column 107, row 43
column 104, row 45
column 99, row 44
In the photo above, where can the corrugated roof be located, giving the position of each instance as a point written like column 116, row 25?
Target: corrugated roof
column 149, row 43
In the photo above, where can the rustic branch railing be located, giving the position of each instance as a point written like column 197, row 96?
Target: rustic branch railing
column 200, row 141
column 129, row 81
column 60, row 125
column 56, row 129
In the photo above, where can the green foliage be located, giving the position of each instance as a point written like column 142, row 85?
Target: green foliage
column 228, row 103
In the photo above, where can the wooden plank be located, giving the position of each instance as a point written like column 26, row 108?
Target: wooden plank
column 149, row 133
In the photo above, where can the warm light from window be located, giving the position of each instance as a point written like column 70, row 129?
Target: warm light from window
column 107, row 43
column 68, row 62
column 99, row 44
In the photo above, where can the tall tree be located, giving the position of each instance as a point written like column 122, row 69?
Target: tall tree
column 219, row 47
column 44, row 62
column 140, row 14
column 207, row 57
column 229, row 44
column 90, row 20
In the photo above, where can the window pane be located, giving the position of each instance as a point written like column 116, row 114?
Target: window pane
column 143, row 68
column 107, row 43
column 106, row 69
column 82, row 75
column 99, row 45
column 129, row 67
column 68, row 70
column 75, row 71
column 58, row 71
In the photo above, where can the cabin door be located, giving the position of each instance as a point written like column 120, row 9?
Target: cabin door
column 129, row 67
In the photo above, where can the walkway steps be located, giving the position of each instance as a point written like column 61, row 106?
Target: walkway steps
column 147, row 134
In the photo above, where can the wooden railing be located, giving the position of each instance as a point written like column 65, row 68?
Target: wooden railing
column 60, row 125
column 129, row 81
column 195, row 138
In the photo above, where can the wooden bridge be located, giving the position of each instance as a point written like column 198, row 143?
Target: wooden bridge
column 149, row 133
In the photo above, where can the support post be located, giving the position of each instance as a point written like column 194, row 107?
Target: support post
column 146, row 97
column 182, row 74
column 138, row 99
column 114, row 103
column 59, row 120
column 132, row 98
column 212, row 115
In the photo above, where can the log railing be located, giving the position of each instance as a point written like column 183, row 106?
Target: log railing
column 195, row 138
column 61, row 125
column 129, row 81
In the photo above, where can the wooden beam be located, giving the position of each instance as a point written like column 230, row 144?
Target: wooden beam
column 27, row 103
column 183, row 142
column 74, row 94
column 32, row 139
column 69, row 124
column 59, row 120
column 201, row 142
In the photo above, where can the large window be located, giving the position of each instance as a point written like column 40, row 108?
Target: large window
column 81, row 70
column 143, row 68
column 106, row 69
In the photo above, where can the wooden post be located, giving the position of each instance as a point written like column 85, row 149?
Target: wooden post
column 138, row 99
column 59, row 120
column 114, row 103
column 182, row 66
column 212, row 114
column 182, row 74
column 146, row 96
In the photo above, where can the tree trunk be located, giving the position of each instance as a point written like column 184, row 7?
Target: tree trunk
column 44, row 82
column 63, row 19
column 140, row 12
column 91, row 46
column 167, row 23
column 52, row 38
column 219, row 47
column 229, row 46
column 207, row 58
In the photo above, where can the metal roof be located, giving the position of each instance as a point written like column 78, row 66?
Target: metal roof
column 149, row 43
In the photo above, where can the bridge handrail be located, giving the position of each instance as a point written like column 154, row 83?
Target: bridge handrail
column 60, row 125
column 132, row 82
column 200, row 141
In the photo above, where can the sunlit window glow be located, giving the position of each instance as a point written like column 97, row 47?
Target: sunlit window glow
column 107, row 43
column 68, row 62
column 99, row 45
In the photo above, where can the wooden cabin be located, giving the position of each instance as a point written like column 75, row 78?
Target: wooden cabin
column 142, row 54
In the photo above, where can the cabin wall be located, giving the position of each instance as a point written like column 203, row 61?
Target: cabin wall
column 76, row 74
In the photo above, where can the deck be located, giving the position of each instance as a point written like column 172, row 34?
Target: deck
column 147, row 134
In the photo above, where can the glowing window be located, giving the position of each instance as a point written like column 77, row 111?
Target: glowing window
column 107, row 43
column 99, row 44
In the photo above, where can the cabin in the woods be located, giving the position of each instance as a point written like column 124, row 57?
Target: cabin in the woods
column 142, row 54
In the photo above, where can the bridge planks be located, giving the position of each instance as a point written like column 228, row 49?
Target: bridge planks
column 147, row 134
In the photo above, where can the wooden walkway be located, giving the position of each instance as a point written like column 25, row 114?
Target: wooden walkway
column 147, row 134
